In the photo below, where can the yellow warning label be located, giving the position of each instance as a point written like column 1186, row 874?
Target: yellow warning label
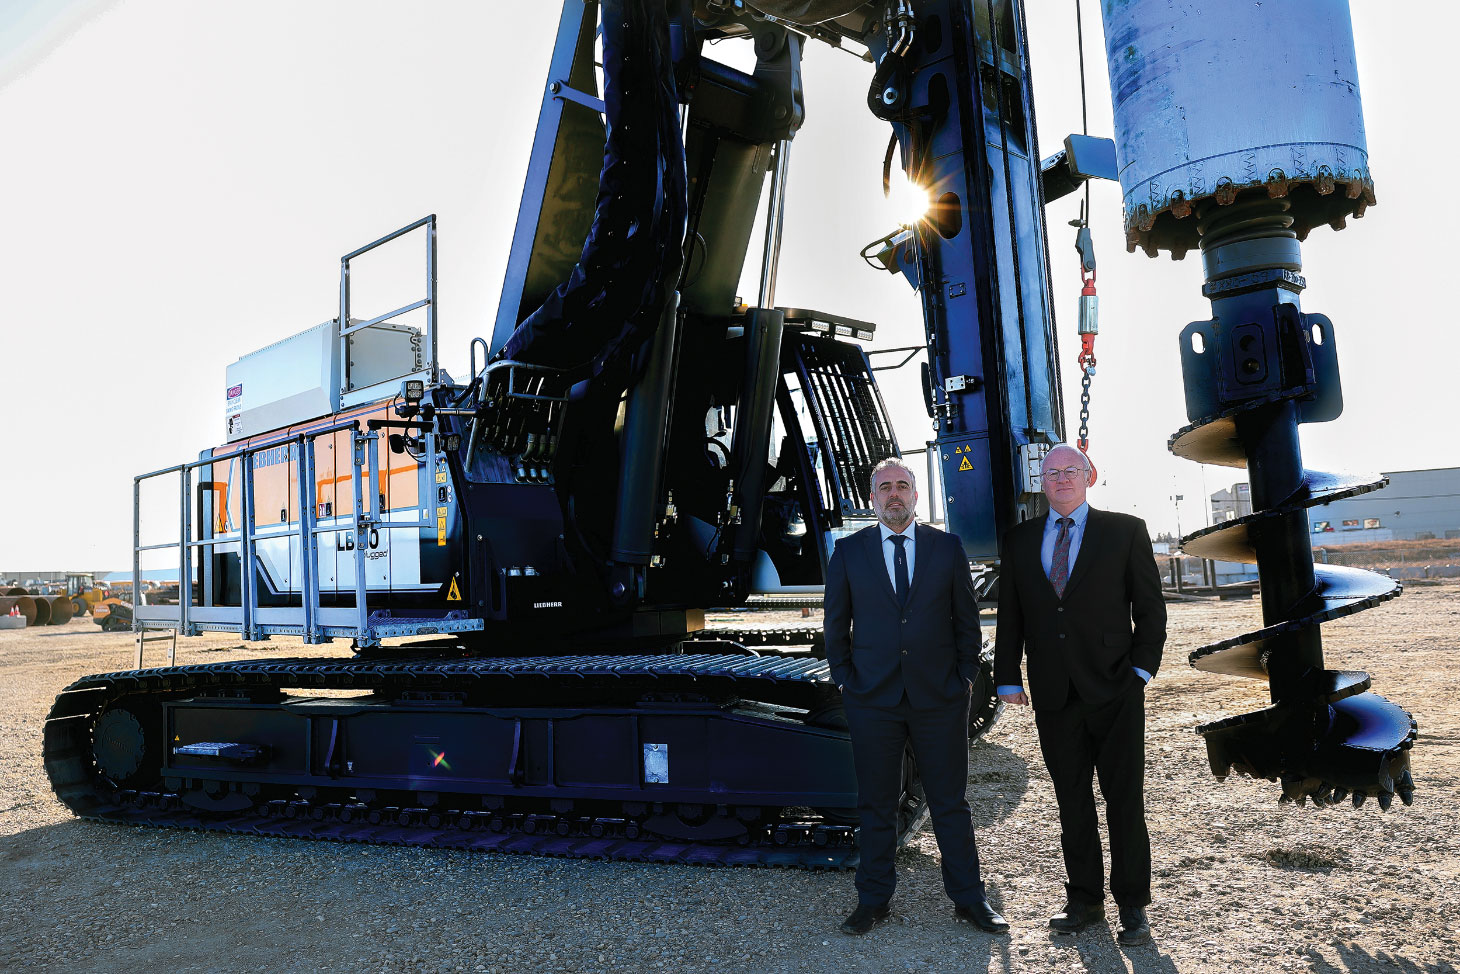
column 965, row 465
column 455, row 594
column 440, row 512
column 441, row 476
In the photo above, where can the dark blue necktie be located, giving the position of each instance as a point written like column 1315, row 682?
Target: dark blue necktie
column 899, row 568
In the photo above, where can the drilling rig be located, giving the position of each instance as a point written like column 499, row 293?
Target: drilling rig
column 635, row 444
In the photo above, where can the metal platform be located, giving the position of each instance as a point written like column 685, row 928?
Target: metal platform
column 309, row 620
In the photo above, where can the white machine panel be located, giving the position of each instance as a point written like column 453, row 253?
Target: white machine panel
column 383, row 352
column 289, row 381
column 299, row 378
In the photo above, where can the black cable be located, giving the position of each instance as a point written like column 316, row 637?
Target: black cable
column 470, row 386
column 887, row 167
column 1080, row 40
column 1084, row 117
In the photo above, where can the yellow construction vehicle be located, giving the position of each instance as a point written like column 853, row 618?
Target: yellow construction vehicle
column 84, row 592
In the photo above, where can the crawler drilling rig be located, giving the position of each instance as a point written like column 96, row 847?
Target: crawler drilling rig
column 633, row 444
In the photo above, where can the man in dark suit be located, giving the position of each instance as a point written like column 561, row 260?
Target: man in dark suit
column 903, row 642
column 1080, row 600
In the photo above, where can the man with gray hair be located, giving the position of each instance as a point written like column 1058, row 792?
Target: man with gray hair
column 1080, row 605
column 902, row 638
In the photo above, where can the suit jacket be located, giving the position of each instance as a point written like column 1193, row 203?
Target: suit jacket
column 879, row 649
column 1112, row 615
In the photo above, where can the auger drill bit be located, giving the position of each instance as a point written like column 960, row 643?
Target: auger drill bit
column 1264, row 368
column 1228, row 142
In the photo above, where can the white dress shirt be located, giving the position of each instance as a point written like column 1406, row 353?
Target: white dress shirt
column 1079, row 515
column 889, row 550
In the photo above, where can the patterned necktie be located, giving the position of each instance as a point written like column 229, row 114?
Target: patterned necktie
column 1059, row 565
column 899, row 568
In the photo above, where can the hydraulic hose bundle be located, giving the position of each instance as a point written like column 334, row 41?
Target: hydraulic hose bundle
column 611, row 302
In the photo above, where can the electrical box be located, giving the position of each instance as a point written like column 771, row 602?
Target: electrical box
column 301, row 377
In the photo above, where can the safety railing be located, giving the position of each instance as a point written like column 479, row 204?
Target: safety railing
column 310, row 620
column 347, row 327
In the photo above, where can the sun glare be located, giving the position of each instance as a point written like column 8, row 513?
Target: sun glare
column 909, row 201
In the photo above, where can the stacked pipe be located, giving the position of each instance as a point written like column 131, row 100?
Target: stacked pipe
column 62, row 609
column 21, row 605
column 1239, row 141
column 37, row 610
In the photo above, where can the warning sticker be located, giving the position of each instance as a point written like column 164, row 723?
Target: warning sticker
column 965, row 465
column 454, row 595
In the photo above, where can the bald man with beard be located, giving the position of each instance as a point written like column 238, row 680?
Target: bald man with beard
column 903, row 643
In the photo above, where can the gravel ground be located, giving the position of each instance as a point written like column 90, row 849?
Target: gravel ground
column 1239, row 880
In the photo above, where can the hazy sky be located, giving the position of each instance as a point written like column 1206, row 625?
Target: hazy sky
column 180, row 179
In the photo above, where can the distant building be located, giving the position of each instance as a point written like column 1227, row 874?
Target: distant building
column 1234, row 502
column 1417, row 505
column 148, row 575
column 36, row 579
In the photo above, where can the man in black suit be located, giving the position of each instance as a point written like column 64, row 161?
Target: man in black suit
column 903, row 642
column 1080, row 600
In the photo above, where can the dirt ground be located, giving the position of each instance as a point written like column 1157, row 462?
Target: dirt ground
column 1240, row 881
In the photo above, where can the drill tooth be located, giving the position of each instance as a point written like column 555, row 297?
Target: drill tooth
column 1386, row 798
column 1285, row 799
column 1406, row 781
column 1406, row 795
column 1339, row 794
column 1359, row 799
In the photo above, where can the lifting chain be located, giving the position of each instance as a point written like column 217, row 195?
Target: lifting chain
column 1089, row 327
column 1088, row 363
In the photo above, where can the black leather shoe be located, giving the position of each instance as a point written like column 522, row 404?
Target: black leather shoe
column 1076, row 917
column 864, row 918
column 983, row 916
column 1134, row 928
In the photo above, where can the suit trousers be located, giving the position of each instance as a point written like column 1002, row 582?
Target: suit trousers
column 1108, row 739
column 939, row 738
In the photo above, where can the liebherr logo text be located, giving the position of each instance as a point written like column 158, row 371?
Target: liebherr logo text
column 547, row 605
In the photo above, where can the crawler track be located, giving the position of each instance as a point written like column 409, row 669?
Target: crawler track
column 785, row 837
